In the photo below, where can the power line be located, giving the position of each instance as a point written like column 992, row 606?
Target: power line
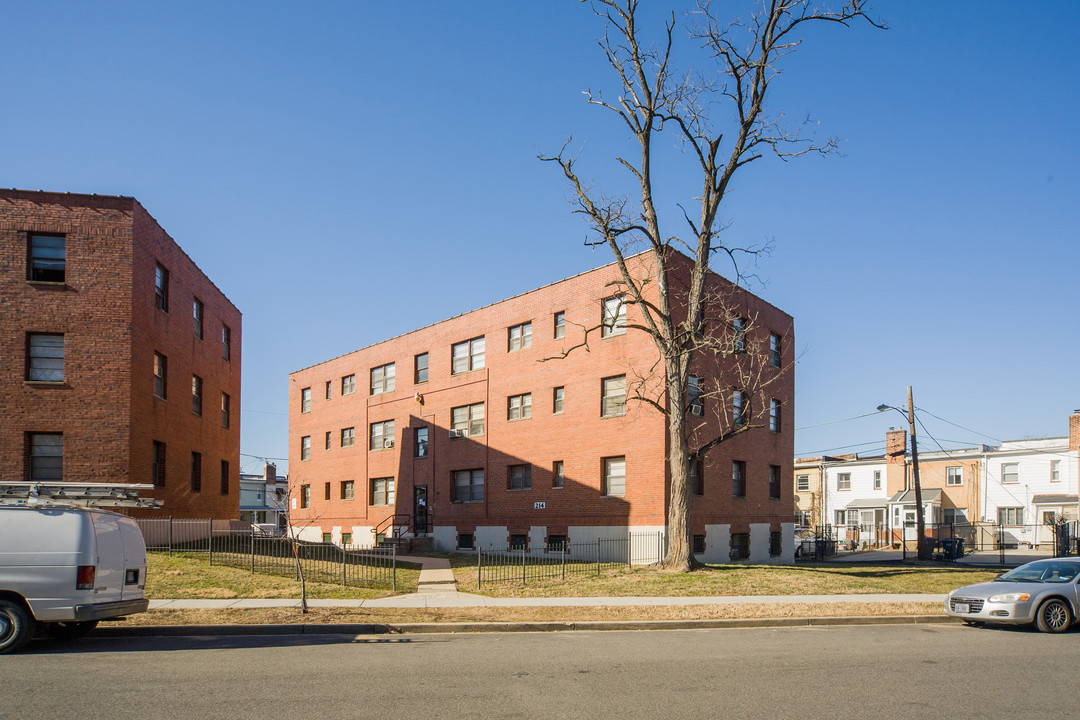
column 833, row 422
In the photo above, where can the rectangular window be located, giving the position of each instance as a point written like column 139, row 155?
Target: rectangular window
column 774, row 415
column 1011, row 516
column 1010, row 473
column 305, row 400
column 328, row 386
column 615, row 476
column 877, row 479
column 348, row 437
column 226, row 409
column 465, row 541
column 556, row 543
column 560, row 325
column 698, row 544
column 774, row 350
column 45, row 357
column 328, row 440
column 738, row 478
column 305, row 447
column 613, row 396
column 740, row 408
column 802, row 483
column 468, row 486
column 519, row 477
column 197, row 317
column 1055, row 471
column 326, row 491
column 420, row 442
column 697, row 487
column 346, row 538
column 161, row 287
column 46, row 451
column 327, row 537
column 774, row 482
column 558, row 478
column 695, row 404
column 467, row 355
column 558, row 400
column 613, row 320
column 382, row 379
column 226, row 342
column 305, row 496
column 420, row 368
column 161, row 371
column 519, row 337
column 840, row 517
column 519, row 407
column 348, row 385
column 468, row 420
column 843, row 481
column 954, row 476
column 954, row 516
column 48, row 258
column 776, row 543
column 347, row 490
column 740, row 546
column 224, row 477
column 196, row 394
column 518, row 541
column 157, row 464
column 196, row 472
column 738, row 333
column 381, row 435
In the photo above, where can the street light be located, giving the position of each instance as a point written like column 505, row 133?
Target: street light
column 920, row 521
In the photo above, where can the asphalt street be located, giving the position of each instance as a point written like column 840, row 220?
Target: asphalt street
column 911, row 671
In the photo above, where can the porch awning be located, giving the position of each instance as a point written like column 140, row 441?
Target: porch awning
column 1054, row 500
column 929, row 495
column 867, row 504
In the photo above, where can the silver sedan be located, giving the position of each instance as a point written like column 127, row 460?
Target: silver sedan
column 1044, row 592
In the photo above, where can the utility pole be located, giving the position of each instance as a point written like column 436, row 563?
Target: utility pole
column 920, row 520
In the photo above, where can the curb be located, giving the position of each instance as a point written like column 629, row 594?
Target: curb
column 497, row 627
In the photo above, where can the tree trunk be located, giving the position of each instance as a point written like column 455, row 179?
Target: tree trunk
column 680, row 556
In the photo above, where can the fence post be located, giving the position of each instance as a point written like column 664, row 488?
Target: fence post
column 522, row 564
column 479, row 565
column 562, row 555
column 170, row 536
column 343, row 583
column 253, row 548
column 1001, row 543
column 393, row 570
column 629, row 549
column 210, row 537
column 597, row 557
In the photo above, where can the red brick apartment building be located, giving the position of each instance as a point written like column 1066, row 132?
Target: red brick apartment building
column 477, row 432
column 120, row 359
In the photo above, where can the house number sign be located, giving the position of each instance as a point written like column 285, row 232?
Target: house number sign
column 539, row 505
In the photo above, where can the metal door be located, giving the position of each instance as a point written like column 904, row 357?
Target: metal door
column 420, row 513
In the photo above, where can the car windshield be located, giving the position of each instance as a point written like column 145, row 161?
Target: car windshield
column 1042, row 571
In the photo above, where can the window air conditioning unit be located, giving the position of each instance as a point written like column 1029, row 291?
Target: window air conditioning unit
column 388, row 443
column 457, row 434
column 698, row 410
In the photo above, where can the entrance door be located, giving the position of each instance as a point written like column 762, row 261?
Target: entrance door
column 420, row 514
column 911, row 530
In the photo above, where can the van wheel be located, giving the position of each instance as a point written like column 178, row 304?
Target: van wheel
column 1054, row 616
column 69, row 630
column 16, row 626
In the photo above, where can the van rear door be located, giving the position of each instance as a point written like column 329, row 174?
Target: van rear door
column 134, row 559
column 110, row 558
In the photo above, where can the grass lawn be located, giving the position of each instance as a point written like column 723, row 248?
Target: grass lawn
column 180, row 577
column 802, row 579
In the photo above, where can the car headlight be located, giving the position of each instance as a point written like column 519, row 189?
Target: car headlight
column 1010, row 597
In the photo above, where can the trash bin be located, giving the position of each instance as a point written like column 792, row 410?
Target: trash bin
column 930, row 544
column 952, row 548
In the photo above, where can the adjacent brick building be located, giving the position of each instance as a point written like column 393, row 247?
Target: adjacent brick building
column 119, row 358
column 478, row 431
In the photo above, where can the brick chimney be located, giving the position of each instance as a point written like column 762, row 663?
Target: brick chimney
column 270, row 473
column 1074, row 430
column 896, row 446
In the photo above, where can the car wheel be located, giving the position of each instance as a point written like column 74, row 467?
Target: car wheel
column 69, row 630
column 1054, row 616
column 974, row 623
column 16, row 626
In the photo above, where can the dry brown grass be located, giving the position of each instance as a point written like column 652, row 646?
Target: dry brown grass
column 293, row 616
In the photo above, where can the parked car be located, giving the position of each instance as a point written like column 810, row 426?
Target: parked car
column 1044, row 592
column 62, row 569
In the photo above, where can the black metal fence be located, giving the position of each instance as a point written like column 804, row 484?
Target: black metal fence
column 248, row 549
column 564, row 560
column 817, row 544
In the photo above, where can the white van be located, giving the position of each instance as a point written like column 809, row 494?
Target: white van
column 66, row 568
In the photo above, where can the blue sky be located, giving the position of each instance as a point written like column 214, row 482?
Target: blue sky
column 349, row 171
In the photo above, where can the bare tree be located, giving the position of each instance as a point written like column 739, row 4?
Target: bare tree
column 700, row 319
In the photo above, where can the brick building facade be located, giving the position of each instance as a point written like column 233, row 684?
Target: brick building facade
column 482, row 430
column 119, row 358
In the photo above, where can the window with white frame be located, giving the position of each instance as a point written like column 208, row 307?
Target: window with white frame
column 740, row 407
column 348, row 384
column 843, row 481
column 1010, row 473
column 226, row 343
column 420, row 442
column 348, row 436
column 466, row 356
column 468, row 420
column 615, row 476
column 161, row 287
column 226, row 410
column 468, row 486
column 197, row 317
column 802, row 483
column 305, row 400
column 519, row 337
column 558, row 400
column 954, row 475
column 381, row 435
column 196, row 394
column 877, row 479
column 613, row 396
column 613, row 321
column 420, row 368
column 519, row 407
column 382, row 379
column 560, row 325
column 738, row 330
column 774, row 349
column 1011, row 516
column 348, row 490
column 161, row 371
column 382, row 491
column 329, row 435
column 1055, row 471
column 305, row 447
column 558, row 477
column 774, row 415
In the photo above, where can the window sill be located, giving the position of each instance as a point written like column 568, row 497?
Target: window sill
column 518, row 489
column 608, row 417
column 61, row 284
column 46, row 383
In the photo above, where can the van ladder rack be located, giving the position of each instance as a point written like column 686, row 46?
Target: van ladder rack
column 75, row 494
